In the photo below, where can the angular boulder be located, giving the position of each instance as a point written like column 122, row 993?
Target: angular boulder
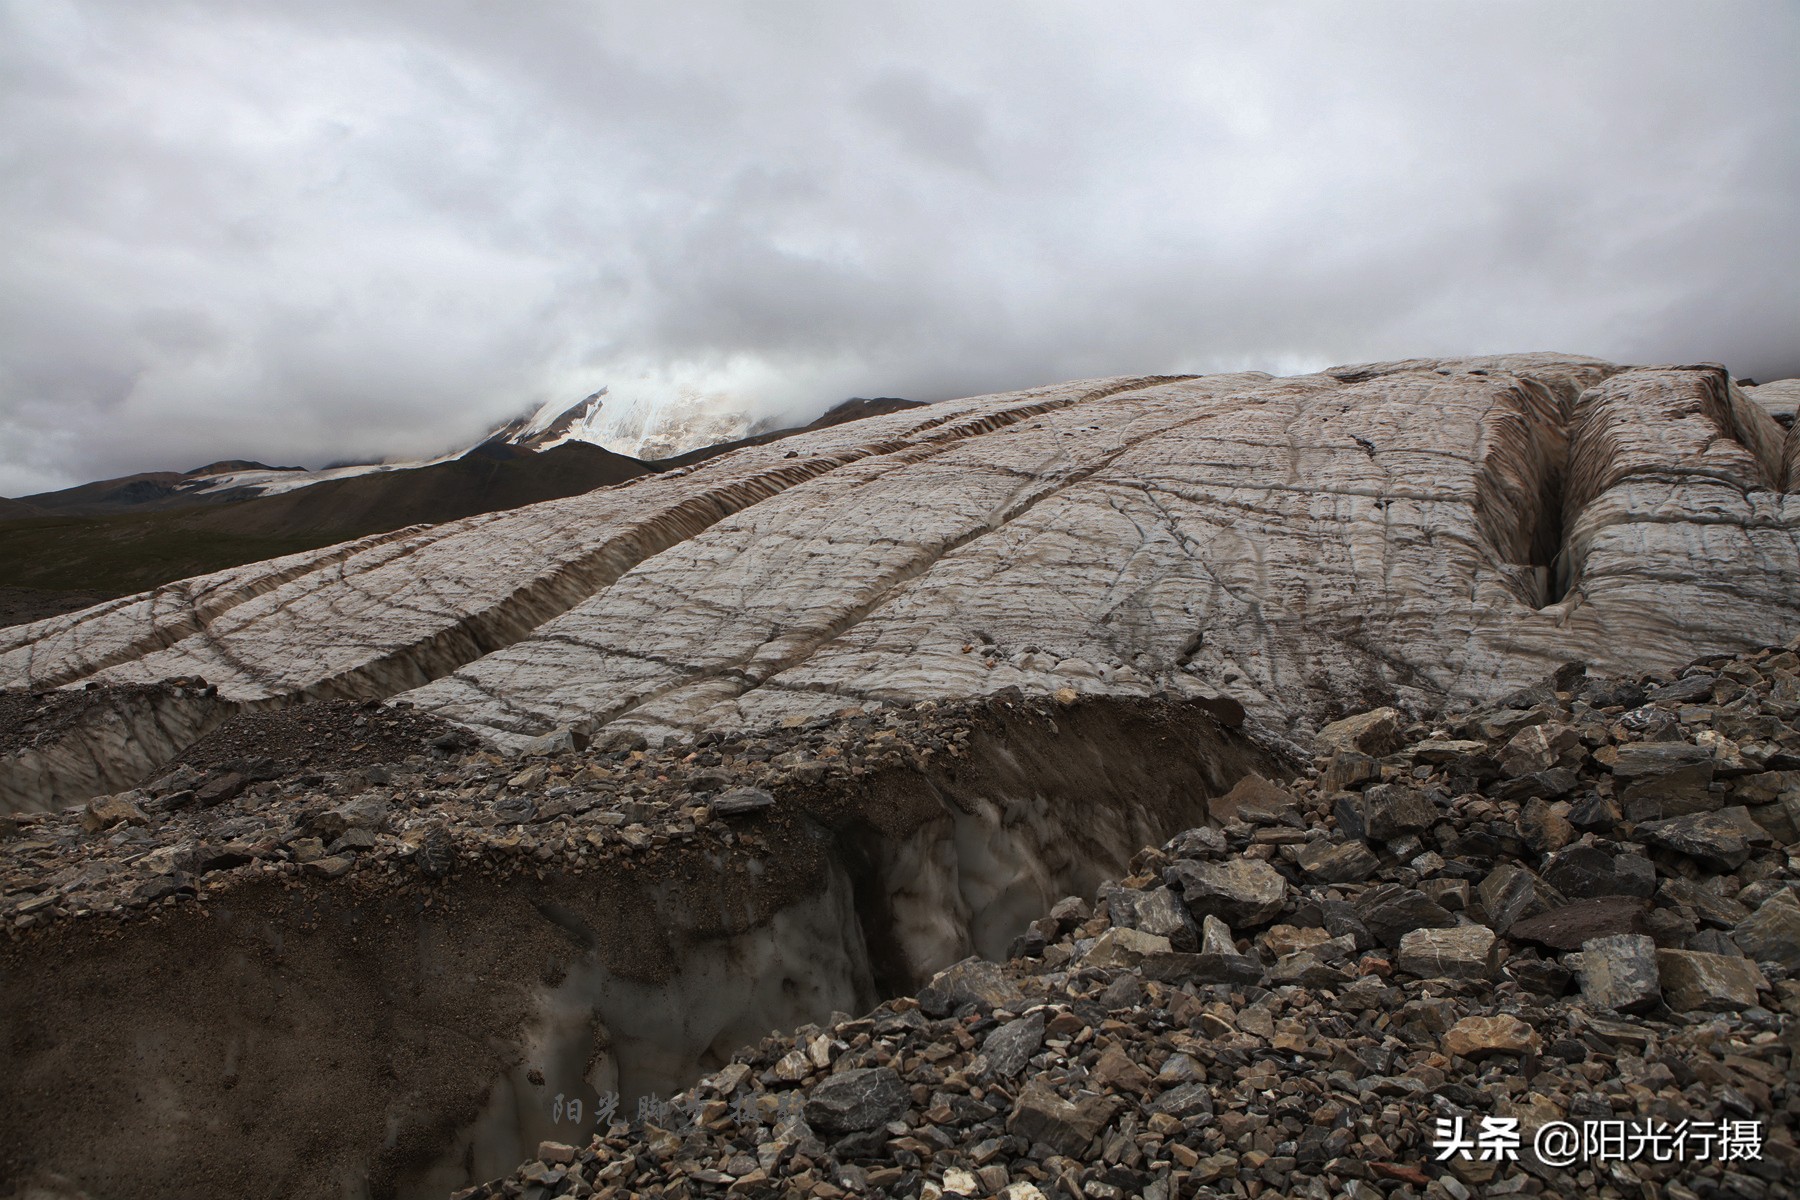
column 1375, row 732
column 1459, row 952
column 1567, row 926
column 1241, row 892
column 852, row 1101
column 1696, row 981
column 1008, row 1048
column 1772, row 932
column 1619, row 972
column 971, row 981
column 1478, row 1036
column 1254, row 801
column 1390, row 912
column 1722, row 839
column 1511, row 893
column 1066, row 1126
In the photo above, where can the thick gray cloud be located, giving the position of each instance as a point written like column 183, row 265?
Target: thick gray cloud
column 302, row 232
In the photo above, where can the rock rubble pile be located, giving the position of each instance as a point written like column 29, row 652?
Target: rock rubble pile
column 1579, row 905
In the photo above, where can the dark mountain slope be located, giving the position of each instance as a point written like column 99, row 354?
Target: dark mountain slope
column 88, row 558
column 65, row 550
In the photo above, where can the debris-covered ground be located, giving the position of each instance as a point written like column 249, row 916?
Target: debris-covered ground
column 1574, row 912
column 390, row 797
column 387, row 970
column 332, row 788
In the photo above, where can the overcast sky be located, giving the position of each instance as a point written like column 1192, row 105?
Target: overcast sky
column 300, row 232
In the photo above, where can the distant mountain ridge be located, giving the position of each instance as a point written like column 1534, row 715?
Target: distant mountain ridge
column 68, row 549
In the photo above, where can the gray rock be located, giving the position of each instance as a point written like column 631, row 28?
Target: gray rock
column 1345, row 862
column 1186, row 1100
column 1200, row 844
column 1123, row 947
column 436, row 854
column 1538, row 975
column 1676, row 794
column 1557, row 781
column 1538, row 748
column 1068, row 1127
column 104, row 812
column 163, row 885
column 1303, row 968
column 1693, row 981
column 1385, row 811
column 1243, row 892
column 1215, row 937
column 1340, row 920
column 739, row 801
column 1457, row 952
column 1708, row 904
column 1390, row 912
column 1620, row 972
column 1713, row 941
column 1376, row 732
column 1636, row 762
column 1543, row 828
column 1722, row 838
column 226, row 785
column 1594, row 811
column 1440, row 751
column 513, row 810
column 1511, row 893
column 1502, row 723
column 1664, row 779
column 331, row 867
column 971, row 981
column 306, row 849
column 1766, row 787
column 1449, row 894
column 1230, row 968
column 1772, row 932
column 1159, row 911
column 1012, row 1045
column 1780, row 819
column 1581, row 872
column 1584, row 872
column 1346, row 769
column 1125, row 991
column 851, row 1101
column 1634, row 875
column 1119, row 904
column 366, row 812
column 353, row 839
column 557, row 741
column 1687, row 690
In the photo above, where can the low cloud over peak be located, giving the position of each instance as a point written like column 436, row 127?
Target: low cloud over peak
column 303, row 233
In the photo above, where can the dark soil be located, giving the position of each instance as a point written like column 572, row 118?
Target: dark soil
column 108, row 550
column 32, row 719
column 327, row 735
column 22, row 606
